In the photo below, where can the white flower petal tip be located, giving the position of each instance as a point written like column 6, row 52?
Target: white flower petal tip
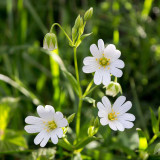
column 116, row 116
column 105, row 61
column 48, row 125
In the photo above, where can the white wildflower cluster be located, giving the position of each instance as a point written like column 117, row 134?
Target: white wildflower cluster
column 104, row 63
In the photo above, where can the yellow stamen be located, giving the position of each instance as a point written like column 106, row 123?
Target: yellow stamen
column 112, row 116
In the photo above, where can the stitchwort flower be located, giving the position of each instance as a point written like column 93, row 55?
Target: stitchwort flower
column 49, row 125
column 115, row 116
column 105, row 61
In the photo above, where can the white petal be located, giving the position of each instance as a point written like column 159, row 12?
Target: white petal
column 59, row 132
column 89, row 60
column 119, row 126
column 125, row 107
column 49, row 108
column 94, row 51
column 106, row 78
column 90, row 68
column 116, row 72
column 41, row 111
column 111, row 52
column 127, row 124
column 112, row 125
column 102, row 113
column 45, row 140
column 104, row 121
column 127, row 116
column 106, row 103
column 33, row 120
column 98, row 77
column 54, row 139
column 58, row 116
column 33, row 128
column 118, row 63
column 100, row 106
column 101, row 46
column 62, row 123
column 38, row 139
column 119, row 101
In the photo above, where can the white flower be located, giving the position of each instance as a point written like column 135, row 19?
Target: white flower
column 116, row 116
column 104, row 62
column 49, row 125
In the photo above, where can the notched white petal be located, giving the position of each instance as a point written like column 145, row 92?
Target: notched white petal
column 33, row 128
column 98, row 77
column 89, row 60
column 44, row 141
column 101, row 46
column 116, row 72
column 54, row 139
column 94, row 51
column 104, row 121
column 33, row 120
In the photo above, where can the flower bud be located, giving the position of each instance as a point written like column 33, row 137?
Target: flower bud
column 77, row 22
column 88, row 14
column 113, row 89
column 50, row 42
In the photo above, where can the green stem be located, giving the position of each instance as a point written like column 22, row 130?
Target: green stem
column 115, row 80
column 80, row 94
column 78, row 117
column 77, row 72
column 51, row 30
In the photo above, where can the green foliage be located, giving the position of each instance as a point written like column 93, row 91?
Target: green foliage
column 29, row 77
column 43, row 154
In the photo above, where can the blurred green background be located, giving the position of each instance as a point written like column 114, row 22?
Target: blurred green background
column 28, row 76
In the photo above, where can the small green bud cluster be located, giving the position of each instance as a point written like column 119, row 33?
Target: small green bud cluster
column 78, row 27
column 113, row 89
column 50, row 42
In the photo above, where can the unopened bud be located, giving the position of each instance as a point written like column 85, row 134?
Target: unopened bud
column 113, row 89
column 50, row 42
column 88, row 14
column 77, row 22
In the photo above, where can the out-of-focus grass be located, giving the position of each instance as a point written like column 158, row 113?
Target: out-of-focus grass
column 133, row 26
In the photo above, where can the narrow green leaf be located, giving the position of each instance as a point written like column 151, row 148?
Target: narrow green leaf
column 85, row 35
column 155, row 124
column 64, row 143
column 142, row 140
column 67, row 74
column 70, row 118
column 85, row 141
column 90, row 100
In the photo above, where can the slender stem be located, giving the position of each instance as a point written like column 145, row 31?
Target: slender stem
column 115, row 80
column 80, row 94
column 51, row 30
column 78, row 117
column 77, row 72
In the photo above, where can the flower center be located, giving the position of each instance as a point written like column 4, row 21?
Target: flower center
column 104, row 61
column 51, row 125
column 112, row 116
